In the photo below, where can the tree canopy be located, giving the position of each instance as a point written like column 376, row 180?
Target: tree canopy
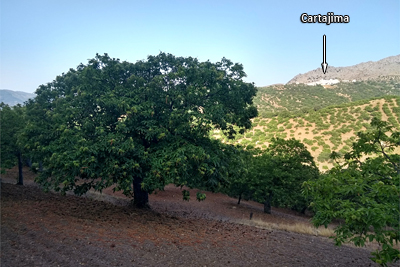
column 12, row 123
column 363, row 192
column 275, row 176
column 145, row 123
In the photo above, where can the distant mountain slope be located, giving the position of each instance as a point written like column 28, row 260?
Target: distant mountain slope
column 383, row 69
column 13, row 98
column 300, row 97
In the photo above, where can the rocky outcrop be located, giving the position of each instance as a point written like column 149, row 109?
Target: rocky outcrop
column 387, row 68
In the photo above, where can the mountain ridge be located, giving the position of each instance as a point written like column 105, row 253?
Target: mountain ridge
column 386, row 68
column 13, row 98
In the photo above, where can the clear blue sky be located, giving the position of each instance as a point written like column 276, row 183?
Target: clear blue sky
column 41, row 39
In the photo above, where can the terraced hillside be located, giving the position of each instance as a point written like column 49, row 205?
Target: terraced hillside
column 329, row 129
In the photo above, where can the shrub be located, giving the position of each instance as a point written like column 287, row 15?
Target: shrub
column 369, row 108
column 324, row 155
column 308, row 141
column 262, row 123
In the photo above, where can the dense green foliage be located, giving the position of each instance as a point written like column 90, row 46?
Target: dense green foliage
column 295, row 97
column 274, row 176
column 117, row 123
column 238, row 184
column 363, row 194
column 144, row 125
column 369, row 89
column 328, row 124
column 276, row 99
column 12, row 122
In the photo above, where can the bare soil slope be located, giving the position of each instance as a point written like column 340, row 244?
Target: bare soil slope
column 46, row 229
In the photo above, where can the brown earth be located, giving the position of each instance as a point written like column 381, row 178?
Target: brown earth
column 47, row 229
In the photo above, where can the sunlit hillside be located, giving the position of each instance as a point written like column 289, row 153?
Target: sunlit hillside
column 301, row 98
column 329, row 129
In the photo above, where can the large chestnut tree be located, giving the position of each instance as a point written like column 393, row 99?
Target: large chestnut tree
column 139, row 126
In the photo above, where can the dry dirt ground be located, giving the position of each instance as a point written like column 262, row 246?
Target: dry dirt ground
column 47, row 229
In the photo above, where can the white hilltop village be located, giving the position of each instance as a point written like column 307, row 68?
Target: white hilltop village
column 384, row 69
column 328, row 82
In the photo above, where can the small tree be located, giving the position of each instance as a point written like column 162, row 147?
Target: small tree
column 239, row 186
column 275, row 175
column 364, row 194
column 139, row 126
column 293, row 165
column 12, row 123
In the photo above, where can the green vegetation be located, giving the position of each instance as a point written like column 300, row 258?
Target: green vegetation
column 139, row 126
column 324, row 155
column 308, row 141
column 363, row 194
column 13, row 121
column 303, row 99
column 338, row 125
column 275, row 175
column 176, row 120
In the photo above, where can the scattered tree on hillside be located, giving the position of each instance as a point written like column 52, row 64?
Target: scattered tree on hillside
column 12, row 122
column 364, row 194
column 239, row 186
column 274, row 176
column 144, row 124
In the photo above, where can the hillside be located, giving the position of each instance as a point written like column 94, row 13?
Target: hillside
column 329, row 129
column 47, row 229
column 300, row 97
column 383, row 69
column 326, row 117
column 13, row 98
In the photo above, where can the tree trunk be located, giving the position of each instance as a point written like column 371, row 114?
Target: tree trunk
column 240, row 197
column 140, row 197
column 28, row 162
column 20, row 164
column 267, row 204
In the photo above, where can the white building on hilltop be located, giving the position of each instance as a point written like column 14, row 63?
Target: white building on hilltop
column 325, row 82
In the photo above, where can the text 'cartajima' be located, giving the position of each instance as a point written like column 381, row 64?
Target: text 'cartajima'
column 327, row 19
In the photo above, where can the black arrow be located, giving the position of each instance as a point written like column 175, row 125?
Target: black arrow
column 324, row 64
